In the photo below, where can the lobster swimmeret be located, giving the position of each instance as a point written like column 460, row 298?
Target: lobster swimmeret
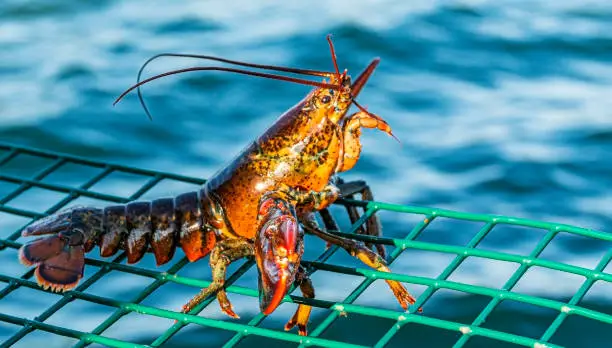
column 259, row 205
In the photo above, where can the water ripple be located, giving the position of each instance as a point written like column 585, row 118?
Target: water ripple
column 501, row 107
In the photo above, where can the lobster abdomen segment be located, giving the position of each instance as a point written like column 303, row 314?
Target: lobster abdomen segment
column 139, row 226
column 165, row 229
column 195, row 245
column 115, row 230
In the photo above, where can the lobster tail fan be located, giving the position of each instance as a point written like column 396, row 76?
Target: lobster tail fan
column 63, row 271
column 59, row 266
column 48, row 225
column 41, row 249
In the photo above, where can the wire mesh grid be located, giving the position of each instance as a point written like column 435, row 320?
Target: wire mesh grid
column 25, row 182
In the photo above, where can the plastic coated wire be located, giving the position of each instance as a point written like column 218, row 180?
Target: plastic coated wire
column 9, row 153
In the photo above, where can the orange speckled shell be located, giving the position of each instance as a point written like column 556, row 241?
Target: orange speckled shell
column 301, row 149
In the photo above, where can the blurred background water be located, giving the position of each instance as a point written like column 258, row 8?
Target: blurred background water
column 502, row 107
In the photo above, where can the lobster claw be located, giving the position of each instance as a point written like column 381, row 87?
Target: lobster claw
column 278, row 250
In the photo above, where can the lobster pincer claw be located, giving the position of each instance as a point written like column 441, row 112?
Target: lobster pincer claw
column 278, row 250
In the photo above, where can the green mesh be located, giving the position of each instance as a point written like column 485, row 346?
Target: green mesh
column 27, row 181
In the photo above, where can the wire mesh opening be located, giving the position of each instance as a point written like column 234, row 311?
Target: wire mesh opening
column 26, row 196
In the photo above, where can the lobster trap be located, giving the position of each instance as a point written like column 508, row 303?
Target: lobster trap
column 496, row 313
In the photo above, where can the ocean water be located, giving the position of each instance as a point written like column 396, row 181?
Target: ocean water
column 502, row 107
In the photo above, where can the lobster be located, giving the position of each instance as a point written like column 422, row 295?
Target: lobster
column 259, row 205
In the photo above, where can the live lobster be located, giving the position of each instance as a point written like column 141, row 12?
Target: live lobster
column 258, row 206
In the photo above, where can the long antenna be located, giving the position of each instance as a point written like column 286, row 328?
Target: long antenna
column 240, row 63
column 223, row 60
column 239, row 71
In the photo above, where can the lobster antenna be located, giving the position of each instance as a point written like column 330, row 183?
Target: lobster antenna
column 223, row 60
column 240, row 63
column 238, row 71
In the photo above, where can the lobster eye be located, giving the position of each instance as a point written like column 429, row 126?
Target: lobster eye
column 326, row 99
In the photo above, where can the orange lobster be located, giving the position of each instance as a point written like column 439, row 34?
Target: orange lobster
column 259, row 205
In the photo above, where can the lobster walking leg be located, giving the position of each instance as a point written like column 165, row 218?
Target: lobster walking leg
column 352, row 149
column 316, row 200
column 330, row 223
column 372, row 225
column 300, row 318
column 364, row 254
column 222, row 255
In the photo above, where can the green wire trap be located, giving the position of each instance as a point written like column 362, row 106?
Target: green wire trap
column 17, row 182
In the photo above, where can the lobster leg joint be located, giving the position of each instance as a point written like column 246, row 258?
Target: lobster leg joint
column 222, row 255
column 316, row 200
column 302, row 314
column 372, row 226
column 325, row 197
column 364, row 254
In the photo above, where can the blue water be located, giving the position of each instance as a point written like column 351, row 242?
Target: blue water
column 502, row 107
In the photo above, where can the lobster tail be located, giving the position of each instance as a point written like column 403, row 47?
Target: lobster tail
column 59, row 266
column 63, row 271
column 137, row 227
column 50, row 224
column 40, row 250
column 60, row 258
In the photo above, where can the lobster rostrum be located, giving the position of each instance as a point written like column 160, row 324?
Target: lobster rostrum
column 260, row 205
